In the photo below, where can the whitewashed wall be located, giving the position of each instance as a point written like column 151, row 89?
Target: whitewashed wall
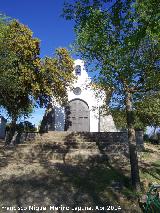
column 90, row 97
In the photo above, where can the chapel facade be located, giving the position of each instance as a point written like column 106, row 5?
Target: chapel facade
column 82, row 113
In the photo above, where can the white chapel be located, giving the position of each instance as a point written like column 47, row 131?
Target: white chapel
column 82, row 113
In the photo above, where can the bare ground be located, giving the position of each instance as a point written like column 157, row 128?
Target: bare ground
column 30, row 179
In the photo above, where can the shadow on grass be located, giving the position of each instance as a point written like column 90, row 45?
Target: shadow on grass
column 66, row 185
column 94, row 177
column 94, row 183
column 152, row 169
column 6, row 155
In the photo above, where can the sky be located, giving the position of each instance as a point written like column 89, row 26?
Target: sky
column 43, row 17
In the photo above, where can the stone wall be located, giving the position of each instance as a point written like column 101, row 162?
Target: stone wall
column 25, row 136
column 108, row 137
column 104, row 139
column 112, row 137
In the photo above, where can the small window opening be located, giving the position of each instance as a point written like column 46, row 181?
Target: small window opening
column 78, row 70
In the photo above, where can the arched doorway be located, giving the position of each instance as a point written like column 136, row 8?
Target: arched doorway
column 77, row 116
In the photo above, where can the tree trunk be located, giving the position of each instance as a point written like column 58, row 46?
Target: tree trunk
column 132, row 143
column 11, row 132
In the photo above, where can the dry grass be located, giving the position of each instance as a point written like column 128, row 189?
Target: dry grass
column 30, row 176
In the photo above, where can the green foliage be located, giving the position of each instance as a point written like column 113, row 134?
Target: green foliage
column 148, row 110
column 24, row 79
column 120, row 119
column 146, row 113
column 25, row 126
column 16, row 68
column 149, row 15
column 113, row 36
column 56, row 76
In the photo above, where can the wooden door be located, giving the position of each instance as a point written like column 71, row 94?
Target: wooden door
column 77, row 116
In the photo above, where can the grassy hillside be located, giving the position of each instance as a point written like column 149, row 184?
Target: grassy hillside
column 29, row 177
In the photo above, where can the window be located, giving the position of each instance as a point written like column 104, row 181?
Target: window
column 78, row 70
column 77, row 91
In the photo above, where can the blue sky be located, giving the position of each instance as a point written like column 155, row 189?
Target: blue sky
column 43, row 18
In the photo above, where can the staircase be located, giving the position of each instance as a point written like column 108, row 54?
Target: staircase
column 67, row 147
column 62, row 167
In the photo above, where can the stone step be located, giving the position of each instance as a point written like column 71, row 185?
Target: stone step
column 75, row 135
column 57, row 151
column 78, row 138
column 57, row 139
column 53, row 157
column 63, row 147
column 76, row 155
column 66, row 144
column 56, row 133
column 2, row 144
column 72, row 144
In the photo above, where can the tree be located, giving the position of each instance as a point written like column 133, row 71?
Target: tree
column 25, row 81
column 25, row 126
column 18, row 62
column 146, row 113
column 110, row 34
column 119, row 117
column 57, row 74
column 148, row 110
column 148, row 11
